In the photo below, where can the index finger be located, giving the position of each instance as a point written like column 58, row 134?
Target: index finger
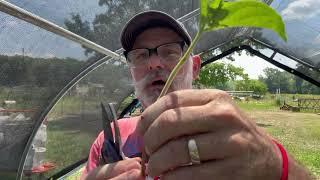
column 176, row 99
column 114, row 169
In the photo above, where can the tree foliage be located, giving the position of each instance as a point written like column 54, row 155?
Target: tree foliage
column 106, row 27
column 80, row 27
column 303, row 86
column 228, row 77
column 217, row 75
column 287, row 83
column 276, row 79
column 40, row 72
column 254, row 85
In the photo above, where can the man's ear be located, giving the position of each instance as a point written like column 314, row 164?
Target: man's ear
column 196, row 66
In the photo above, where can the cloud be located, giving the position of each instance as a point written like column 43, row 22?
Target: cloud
column 252, row 65
column 301, row 9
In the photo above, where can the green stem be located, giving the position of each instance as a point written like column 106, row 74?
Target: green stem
column 177, row 68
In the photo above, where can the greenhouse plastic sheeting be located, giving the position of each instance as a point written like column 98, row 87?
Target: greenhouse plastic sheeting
column 42, row 73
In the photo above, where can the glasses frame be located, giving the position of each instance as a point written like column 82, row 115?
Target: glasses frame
column 182, row 44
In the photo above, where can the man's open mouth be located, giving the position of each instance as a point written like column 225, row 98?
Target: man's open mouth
column 158, row 83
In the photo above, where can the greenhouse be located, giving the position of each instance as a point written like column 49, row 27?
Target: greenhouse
column 61, row 60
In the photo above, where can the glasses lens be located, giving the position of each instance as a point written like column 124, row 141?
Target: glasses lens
column 138, row 57
column 170, row 52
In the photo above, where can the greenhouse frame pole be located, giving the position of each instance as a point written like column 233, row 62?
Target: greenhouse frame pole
column 27, row 16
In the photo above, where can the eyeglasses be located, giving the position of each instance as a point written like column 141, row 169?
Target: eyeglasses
column 169, row 53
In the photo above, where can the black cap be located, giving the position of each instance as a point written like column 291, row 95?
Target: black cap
column 149, row 19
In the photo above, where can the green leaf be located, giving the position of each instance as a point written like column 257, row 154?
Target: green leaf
column 217, row 14
column 214, row 4
column 204, row 6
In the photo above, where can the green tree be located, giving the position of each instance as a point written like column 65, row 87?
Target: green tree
column 304, row 86
column 80, row 27
column 254, row 85
column 308, row 88
column 40, row 72
column 106, row 27
column 217, row 75
column 276, row 79
column 289, row 83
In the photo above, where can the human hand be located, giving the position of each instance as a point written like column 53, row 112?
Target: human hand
column 128, row 169
column 230, row 145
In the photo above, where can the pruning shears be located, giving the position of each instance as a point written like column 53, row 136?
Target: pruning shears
column 111, row 150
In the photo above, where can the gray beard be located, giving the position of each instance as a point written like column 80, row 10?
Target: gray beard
column 182, row 81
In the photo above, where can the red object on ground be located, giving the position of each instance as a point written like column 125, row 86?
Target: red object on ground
column 17, row 110
column 43, row 167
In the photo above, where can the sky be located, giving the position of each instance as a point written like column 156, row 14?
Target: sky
column 292, row 11
column 252, row 65
column 301, row 9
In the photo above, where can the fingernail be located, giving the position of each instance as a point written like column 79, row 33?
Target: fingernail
column 139, row 128
column 138, row 159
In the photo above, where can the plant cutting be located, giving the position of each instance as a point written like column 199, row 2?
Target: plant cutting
column 219, row 14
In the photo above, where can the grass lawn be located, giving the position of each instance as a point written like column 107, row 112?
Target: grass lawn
column 73, row 147
column 298, row 132
column 69, row 139
column 255, row 105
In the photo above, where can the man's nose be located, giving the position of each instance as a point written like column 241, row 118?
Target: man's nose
column 155, row 62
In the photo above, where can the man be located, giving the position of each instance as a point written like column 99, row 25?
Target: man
column 187, row 134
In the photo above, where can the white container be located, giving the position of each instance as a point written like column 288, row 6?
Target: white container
column 41, row 137
column 39, row 155
column 36, row 154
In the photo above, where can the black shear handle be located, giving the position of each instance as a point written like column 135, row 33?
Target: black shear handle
column 110, row 151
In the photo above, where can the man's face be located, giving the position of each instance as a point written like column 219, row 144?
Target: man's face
column 150, row 78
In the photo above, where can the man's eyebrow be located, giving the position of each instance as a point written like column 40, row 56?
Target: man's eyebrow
column 144, row 47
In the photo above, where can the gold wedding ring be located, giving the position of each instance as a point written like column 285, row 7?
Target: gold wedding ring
column 193, row 152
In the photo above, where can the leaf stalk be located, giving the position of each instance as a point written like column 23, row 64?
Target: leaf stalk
column 179, row 65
